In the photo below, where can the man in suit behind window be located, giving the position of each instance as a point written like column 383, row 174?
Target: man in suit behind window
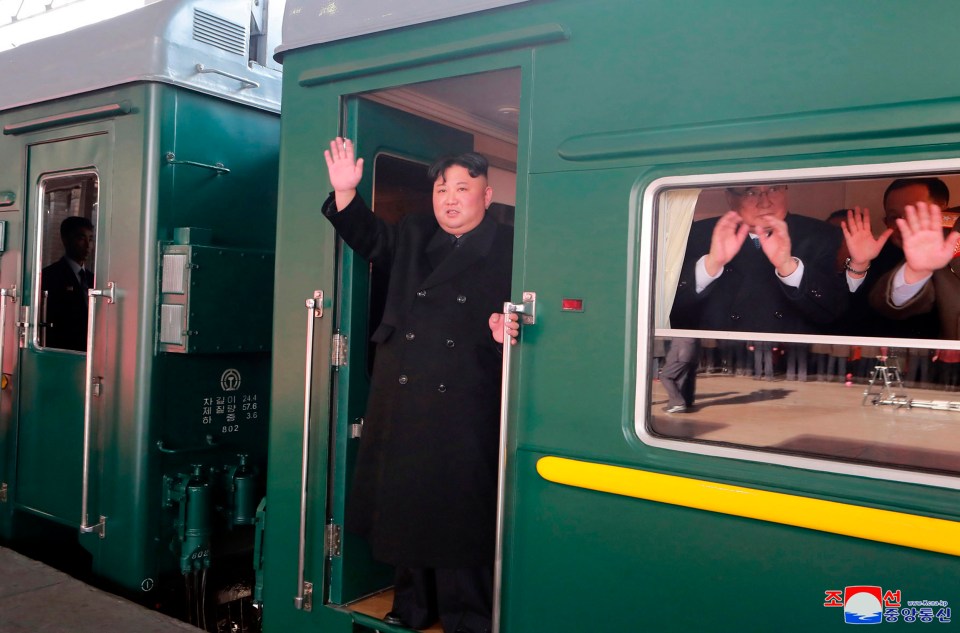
column 65, row 283
column 759, row 269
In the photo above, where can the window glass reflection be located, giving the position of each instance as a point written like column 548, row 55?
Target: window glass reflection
column 818, row 319
column 867, row 404
column 66, row 255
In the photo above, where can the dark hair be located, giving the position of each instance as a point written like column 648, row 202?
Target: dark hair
column 839, row 213
column 73, row 224
column 475, row 164
column 937, row 189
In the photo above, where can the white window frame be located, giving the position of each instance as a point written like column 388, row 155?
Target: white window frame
column 646, row 292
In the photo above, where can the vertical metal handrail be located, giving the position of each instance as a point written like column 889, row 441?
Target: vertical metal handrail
column 92, row 295
column 42, row 331
column 526, row 312
column 304, row 590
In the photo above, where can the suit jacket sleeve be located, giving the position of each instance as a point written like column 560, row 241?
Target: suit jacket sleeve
column 882, row 292
column 369, row 236
column 685, row 312
column 823, row 295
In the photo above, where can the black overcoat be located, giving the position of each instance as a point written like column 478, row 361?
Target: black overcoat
column 424, row 491
column 748, row 297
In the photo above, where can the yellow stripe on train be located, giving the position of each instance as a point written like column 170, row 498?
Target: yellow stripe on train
column 885, row 526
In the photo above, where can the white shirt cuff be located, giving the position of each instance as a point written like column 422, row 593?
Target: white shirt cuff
column 854, row 283
column 704, row 278
column 901, row 291
column 793, row 279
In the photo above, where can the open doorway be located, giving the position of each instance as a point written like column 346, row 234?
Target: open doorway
column 399, row 132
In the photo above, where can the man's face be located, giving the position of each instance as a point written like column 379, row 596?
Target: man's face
column 78, row 243
column 895, row 204
column 460, row 200
column 754, row 203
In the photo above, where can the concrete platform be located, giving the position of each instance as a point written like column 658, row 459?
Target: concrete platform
column 35, row 598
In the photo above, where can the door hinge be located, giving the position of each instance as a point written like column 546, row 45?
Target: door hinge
column 332, row 541
column 3, row 493
column 338, row 350
column 308, row 596
column 356, row 429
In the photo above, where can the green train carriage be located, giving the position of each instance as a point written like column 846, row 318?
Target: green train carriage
column 136, row 458
column 767, row 504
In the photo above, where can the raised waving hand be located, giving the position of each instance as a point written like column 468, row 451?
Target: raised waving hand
column 924, row 245
column 862, row 246
column 344, row 169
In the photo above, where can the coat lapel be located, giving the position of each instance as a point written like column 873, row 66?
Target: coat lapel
column 438, row 248
column 474, row 248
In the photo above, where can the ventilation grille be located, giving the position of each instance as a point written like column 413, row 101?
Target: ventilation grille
column 172, row 281
column 216, row 31
column 171, row 324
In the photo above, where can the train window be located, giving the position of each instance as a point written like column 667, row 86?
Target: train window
column 779, row 336
column 66, row 244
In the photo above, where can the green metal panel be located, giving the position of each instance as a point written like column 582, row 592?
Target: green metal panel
column 199, row 312
column 639, row 91
column 50, row 451
column 237, row 206
column 585, row 560
column 146, row 398
column 211, row 404
column 306, row 262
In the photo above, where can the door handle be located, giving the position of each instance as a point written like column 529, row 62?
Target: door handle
column 304, row 598
column 527, row 313
column 5, row 293
column 92, row 295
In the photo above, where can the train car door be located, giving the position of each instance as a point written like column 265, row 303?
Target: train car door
column 397, row 149
column 68, row 186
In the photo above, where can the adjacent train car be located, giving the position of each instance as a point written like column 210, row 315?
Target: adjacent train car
column 795, row 505
column 133, row 431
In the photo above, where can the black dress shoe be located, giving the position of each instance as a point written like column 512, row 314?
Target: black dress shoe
column 393, row 619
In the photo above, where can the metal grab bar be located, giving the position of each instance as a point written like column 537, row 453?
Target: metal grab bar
column 304, row 598
column 171, row 159
column 92, row 295
column 10, row 292
column 527, row 313
column 247, row 83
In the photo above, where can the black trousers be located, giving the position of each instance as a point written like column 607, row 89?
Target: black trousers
column 461, row 598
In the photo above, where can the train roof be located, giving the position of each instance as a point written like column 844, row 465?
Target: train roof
column 309, row 22
column 198, row 44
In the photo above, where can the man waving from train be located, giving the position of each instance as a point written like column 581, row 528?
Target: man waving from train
column 425, row 486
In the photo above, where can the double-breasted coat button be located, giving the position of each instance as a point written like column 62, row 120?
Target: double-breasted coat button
column 449, row 342
column 461, row 299
column 410, row 336
column 442, row 388
column 403, row 379
column 422, row 293
column 779, row 315
column 735, row 317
